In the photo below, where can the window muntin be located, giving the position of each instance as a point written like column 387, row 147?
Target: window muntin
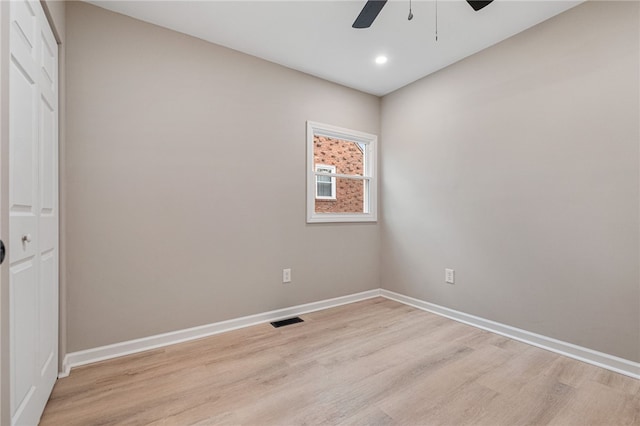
column 346, row 160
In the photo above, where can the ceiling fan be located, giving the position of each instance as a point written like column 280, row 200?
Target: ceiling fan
column 373, row 7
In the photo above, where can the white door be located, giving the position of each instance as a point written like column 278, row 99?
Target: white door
column 33, row 211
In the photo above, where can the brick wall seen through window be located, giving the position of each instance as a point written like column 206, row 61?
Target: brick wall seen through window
column 348, row 159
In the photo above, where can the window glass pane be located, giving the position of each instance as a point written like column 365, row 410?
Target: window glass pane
column 349, row 198
column 324, row 189
column 346, row 153
column 346, row 156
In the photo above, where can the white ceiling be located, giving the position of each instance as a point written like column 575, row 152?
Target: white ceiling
column 316, row 36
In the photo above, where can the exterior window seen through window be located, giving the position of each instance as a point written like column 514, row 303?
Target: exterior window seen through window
column 325, row 185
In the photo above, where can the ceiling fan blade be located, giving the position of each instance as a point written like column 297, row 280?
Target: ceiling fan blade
column 369, row 13
column 477, row 5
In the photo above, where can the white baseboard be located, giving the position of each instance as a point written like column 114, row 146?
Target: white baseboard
column 75, row 359
column 600, row 359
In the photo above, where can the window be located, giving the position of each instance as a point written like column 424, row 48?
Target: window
column 341, row 179
column 325, row 185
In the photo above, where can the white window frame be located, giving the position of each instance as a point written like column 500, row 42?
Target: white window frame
column 332, row 197
column 369, row 176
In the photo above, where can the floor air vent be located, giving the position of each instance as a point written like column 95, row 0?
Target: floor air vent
column 287, row 321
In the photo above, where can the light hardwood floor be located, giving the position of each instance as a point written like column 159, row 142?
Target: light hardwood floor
column 374, row 362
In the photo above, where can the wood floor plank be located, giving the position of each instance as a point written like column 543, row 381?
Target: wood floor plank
column 598, row 404
column 520, row 369
column 617, row 381
column 374, row 362
column 535, row 401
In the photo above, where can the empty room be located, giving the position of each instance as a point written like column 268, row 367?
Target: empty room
column 402, row 212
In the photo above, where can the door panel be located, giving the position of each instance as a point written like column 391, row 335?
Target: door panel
column 24, row 28
column 49, row 64
column 48, row 213
column 48, row 308
column 47, row 157
column 33, row 211
column 48, row 169
column 22, row 151
column 23, row 97
column 23, row 292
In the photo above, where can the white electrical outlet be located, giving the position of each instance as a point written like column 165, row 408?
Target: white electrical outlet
column 286, row 275
column 449, row 276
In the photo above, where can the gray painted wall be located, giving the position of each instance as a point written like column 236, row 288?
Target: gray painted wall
column 185, row 183
column 518, row 167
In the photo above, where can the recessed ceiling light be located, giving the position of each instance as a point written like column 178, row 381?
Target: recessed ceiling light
column 381, row 60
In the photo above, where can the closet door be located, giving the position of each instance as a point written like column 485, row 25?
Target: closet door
column 33, row 211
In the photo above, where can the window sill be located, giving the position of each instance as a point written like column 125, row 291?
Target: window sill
column 337, row 217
